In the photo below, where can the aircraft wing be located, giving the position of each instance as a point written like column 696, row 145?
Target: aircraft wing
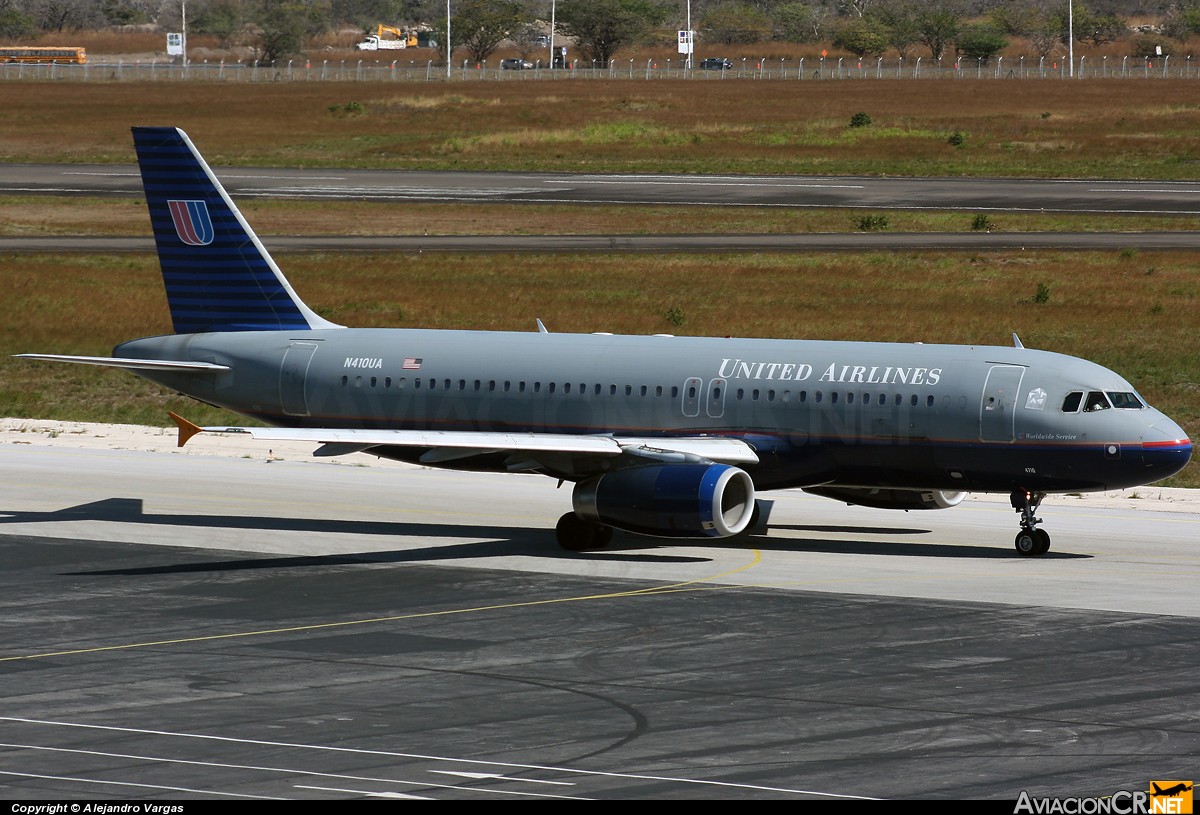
column 450, row 444
column 128, row 362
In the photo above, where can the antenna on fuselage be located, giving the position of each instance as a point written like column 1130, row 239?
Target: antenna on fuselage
column 1017, row 341
column 541, row 327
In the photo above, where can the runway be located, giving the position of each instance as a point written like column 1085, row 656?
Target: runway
column 196, row 626
column 1095, row 196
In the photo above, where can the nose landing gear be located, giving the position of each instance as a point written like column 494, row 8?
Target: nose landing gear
column 1030, row 541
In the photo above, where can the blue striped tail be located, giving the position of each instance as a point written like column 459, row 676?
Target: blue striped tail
column 218, row 275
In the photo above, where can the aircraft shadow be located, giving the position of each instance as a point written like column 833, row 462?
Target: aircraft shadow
column 892, row 548
column 500, row 541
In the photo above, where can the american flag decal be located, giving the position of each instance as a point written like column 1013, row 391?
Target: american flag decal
column 192, row 224
column 412, row 364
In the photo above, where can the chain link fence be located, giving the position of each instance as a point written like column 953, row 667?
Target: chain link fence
column 417, row 70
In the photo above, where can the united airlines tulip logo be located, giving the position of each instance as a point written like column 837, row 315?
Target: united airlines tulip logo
column 192, row 223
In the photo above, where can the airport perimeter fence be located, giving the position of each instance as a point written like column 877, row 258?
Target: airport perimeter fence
column 415, row 70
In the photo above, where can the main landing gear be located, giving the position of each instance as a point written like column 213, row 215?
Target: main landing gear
column 577, row 535
column 1030, row 541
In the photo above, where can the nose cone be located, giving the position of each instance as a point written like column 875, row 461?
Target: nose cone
column 1166, row 449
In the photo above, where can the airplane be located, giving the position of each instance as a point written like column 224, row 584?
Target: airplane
column 665, row 436
column 1171, row 791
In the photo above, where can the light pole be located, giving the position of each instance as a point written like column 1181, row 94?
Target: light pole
column 1071, row 35
column 447, row 39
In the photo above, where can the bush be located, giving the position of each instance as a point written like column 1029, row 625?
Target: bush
column 872, row 223
column 860, row 119
column 957, row 138
column 982, row 223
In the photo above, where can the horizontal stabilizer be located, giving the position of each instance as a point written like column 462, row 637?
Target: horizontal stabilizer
column 134, row 364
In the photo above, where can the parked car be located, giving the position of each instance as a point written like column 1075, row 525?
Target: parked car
column 715, row 64
column 515, row 64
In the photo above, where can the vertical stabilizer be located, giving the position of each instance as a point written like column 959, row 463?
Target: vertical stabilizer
column 218, row 275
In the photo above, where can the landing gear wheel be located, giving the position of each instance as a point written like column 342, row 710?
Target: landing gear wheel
column 1032, row 542
column 577, row 535
column 1026, row 543
column 1043, row 541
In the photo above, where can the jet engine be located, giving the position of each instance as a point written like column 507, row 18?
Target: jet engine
column 687, row 500
column 891, row 498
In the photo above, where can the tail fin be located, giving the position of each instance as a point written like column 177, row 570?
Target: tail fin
column 218, row 275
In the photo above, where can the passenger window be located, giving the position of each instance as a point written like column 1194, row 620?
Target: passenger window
column 1071, row 403
column 1095, row 401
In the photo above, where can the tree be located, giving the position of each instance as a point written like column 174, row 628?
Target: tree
column 480, row 25
column 731, row 23
column 900, row 19
column 221, row 18
column 980, row 42
column 15, row 24
column 862, row 37
column 283, row 27
column 799, row 22
column 603, row 27
column 937, row 27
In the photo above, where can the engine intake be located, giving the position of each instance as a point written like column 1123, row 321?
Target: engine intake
column 891, row 498
column 670, row 500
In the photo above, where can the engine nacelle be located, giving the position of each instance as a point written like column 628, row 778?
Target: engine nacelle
column 891, row 498
column 670, row 500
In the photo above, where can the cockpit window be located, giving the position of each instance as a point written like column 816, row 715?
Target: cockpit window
column 1071, row 403
column 1095, row 401
column 1125, row 401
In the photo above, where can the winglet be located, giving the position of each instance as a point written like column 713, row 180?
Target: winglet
column 186, row 428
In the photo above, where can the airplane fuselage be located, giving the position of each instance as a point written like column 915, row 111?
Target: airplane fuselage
column 970, row 418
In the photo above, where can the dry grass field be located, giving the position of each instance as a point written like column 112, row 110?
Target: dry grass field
column 1136, row 312
column 1031, row 128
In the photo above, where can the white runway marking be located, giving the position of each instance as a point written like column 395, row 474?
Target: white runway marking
column 397, row 754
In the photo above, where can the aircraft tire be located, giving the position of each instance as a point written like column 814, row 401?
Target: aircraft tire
column 577, row 535
column 1043, row 541
column 1027, row 543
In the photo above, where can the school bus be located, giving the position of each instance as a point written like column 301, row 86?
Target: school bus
column 39, row 54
